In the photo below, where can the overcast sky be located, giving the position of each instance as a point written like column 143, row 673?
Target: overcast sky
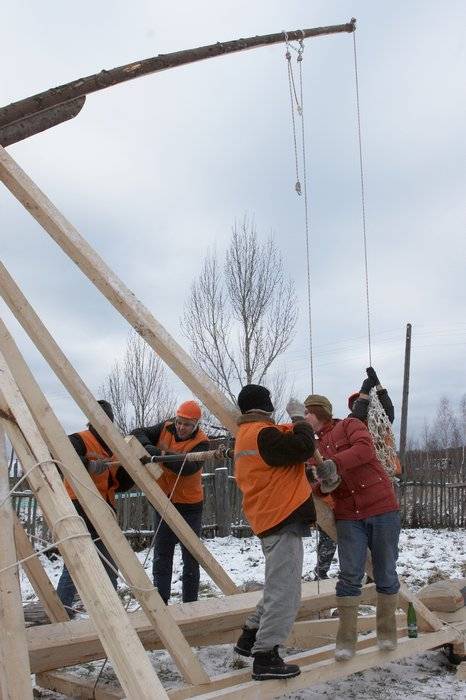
column 155, row 171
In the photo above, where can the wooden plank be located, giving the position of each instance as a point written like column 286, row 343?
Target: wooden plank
column 100, row 514
column 85, row 400
column 37, row 576
column 70, row 643
column 119, row 639
column 313, row 672
column 108, row 283
column 15, row 673
column 77, row 686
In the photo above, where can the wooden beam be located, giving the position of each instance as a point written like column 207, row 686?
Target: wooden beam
column 92, row 265
column 313, row 672
column 40, row 121
column 37, row 576
column 85, row 400
column 107, row 78
column 77, row 686
column 121, row 643
column 70, row 643
column 100, row 514
column 15, row 673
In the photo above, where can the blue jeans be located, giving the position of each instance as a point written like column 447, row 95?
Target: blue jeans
column 164, row 549
column 379, row 533
column 66, row 588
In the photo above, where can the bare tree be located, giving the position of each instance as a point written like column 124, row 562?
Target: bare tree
column 241, row 316
column 445, row 431
column 137, row 387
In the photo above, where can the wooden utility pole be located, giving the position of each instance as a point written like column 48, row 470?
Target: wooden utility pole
column 404, row 405
column 56, row 105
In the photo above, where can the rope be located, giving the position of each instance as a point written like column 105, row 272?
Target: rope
column 301, row 189
column 363, row 202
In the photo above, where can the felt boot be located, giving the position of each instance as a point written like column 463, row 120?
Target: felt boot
column 269, row 664
column 245, row 642
column 348, row 628
column 386, row 621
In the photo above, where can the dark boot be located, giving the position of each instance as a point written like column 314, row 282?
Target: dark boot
column 269, row 664
column 245, row 642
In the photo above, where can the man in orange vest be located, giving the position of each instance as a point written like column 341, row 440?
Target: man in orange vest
column 269, row 470
column 97, row 457
column 182, row 482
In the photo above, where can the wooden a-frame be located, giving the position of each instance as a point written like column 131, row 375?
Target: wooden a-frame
column 36, row 435
column 73, row 244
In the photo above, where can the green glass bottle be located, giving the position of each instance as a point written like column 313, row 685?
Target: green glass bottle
column 412, row 622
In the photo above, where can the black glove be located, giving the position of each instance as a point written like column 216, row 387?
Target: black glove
column 366, row 386
column 153, row 450
column 371, row 373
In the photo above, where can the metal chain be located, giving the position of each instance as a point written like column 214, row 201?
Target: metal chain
column 363, row 202
column 301, row 189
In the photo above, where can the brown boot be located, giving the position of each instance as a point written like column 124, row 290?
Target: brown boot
column 348, row 628
column 386, row 621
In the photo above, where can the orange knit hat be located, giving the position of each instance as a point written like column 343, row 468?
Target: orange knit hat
column 189, row 410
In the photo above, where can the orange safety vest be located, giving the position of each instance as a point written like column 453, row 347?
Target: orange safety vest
column 106, row 482
column 270, row 494
column 189, row 488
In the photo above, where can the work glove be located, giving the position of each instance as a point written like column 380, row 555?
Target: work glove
column 97, row 466
column 223, row 452
column 295, row 409
column 372, row 375
column 328, row 475
column 153, row 450
column 366, row 386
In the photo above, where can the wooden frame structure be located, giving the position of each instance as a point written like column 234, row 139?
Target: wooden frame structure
column 40, row 443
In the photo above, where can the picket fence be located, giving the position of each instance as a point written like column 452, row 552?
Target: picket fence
column 432, row 494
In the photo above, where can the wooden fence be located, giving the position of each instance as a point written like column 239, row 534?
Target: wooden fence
column 432, row 493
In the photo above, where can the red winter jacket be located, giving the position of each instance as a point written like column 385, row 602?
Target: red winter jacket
column 365, row 488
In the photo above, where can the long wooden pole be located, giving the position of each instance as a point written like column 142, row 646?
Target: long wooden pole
column 15, row 673
column 404, row 405
column 37, row 576
column 16, row 115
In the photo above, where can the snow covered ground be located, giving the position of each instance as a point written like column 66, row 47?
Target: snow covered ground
column 425, row 556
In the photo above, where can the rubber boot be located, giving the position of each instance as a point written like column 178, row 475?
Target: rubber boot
column 348, row 628
column 269, row 664
column 387, row 638
column 246, row 641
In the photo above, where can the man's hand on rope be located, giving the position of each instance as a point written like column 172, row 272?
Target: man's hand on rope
column 223, row 452
column 153, row 451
